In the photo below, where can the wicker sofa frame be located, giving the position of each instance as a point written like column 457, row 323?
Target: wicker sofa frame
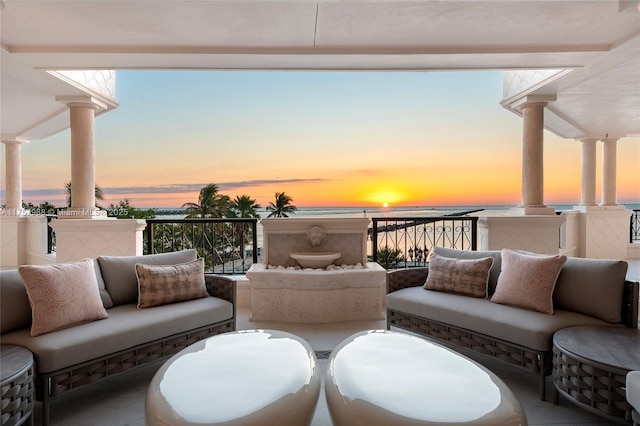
column 53, row 384
column 539, row 362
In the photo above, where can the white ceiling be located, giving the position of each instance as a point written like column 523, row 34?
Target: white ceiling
column 600, row 40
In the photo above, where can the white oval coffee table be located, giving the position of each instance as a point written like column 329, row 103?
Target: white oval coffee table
column 239, row 378
column 382, row 377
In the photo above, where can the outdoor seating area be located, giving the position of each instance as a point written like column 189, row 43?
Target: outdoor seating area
column 85, row 321
column 418, row 286
column 508, row 304
column 326, row 354
column 120, row 400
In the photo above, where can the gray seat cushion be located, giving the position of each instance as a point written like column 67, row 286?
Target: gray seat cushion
column 520, row 326
column 126, row 327
column 119, row 272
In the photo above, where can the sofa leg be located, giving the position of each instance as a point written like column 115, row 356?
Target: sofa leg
column 45, row 408
column 543, row 387
column 45, row 413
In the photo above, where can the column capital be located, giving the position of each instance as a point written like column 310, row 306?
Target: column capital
column 532, row 100
column 82, row 101
column 12, row 140
column 609, row 140
column 588, row 140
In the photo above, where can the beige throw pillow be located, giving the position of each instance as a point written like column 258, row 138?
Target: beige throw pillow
column 159, row 285
column 527, row 281
column 62, row 295
column 461, row 276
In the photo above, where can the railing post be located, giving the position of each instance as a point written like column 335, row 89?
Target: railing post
column 474, row 233
column 150, row 248
column 374, row 240
column 254, row 228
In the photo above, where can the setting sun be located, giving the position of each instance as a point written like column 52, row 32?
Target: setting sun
column 385, row 204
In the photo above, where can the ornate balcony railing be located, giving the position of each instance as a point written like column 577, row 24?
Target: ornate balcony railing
column 634, row 229
column 228, row 246
column 407, row 242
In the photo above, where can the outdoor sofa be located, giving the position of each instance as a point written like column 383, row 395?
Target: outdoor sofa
column 166, row 315
column 505, row 319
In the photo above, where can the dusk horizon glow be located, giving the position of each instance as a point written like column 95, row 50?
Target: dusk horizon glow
column 327, row 139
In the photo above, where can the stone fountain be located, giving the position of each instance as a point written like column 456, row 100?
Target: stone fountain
column 316, row 270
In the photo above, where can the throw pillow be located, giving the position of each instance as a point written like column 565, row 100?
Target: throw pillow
column 119, row 272
column 159, row 285
column 15, row 312
column 471, row 254
column 527, row 281
column 592, row 287
column 62, row 295
column 462, row 276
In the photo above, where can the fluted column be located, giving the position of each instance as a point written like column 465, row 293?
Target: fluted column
column 13, row 173
column 588, row 197
column 609, row 172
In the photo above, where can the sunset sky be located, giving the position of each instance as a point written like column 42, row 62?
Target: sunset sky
column 324, row 138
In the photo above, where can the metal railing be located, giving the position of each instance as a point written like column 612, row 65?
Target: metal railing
column 407, row 242
column 634, row 228
column 51, row 235
column 228, row 246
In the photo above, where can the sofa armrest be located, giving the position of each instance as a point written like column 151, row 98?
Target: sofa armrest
column 403, row 278
column 630, row 304
column 221, row 287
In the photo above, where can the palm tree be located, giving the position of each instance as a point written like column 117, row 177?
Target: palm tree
column 210, row 203
column 99, row 195
column 244, row 206
column 282, row 206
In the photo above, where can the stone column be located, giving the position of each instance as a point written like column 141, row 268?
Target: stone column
column 532, row 160
column 532, row 155
column 13, row 174
column 588, row 197
column 609, row 172
column 82, row 117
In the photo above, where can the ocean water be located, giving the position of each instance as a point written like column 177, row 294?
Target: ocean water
column 396, row 212
column 418, row 211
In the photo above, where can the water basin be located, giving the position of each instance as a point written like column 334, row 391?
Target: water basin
column 315, row 260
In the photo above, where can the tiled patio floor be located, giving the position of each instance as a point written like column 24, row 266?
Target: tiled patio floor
column 119, row 401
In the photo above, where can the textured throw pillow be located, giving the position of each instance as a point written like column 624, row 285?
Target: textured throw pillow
column 159, row 285
column 527, row 281
column 62, row 295
column 472, row 254
column 119, row 272
column 461, row 276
